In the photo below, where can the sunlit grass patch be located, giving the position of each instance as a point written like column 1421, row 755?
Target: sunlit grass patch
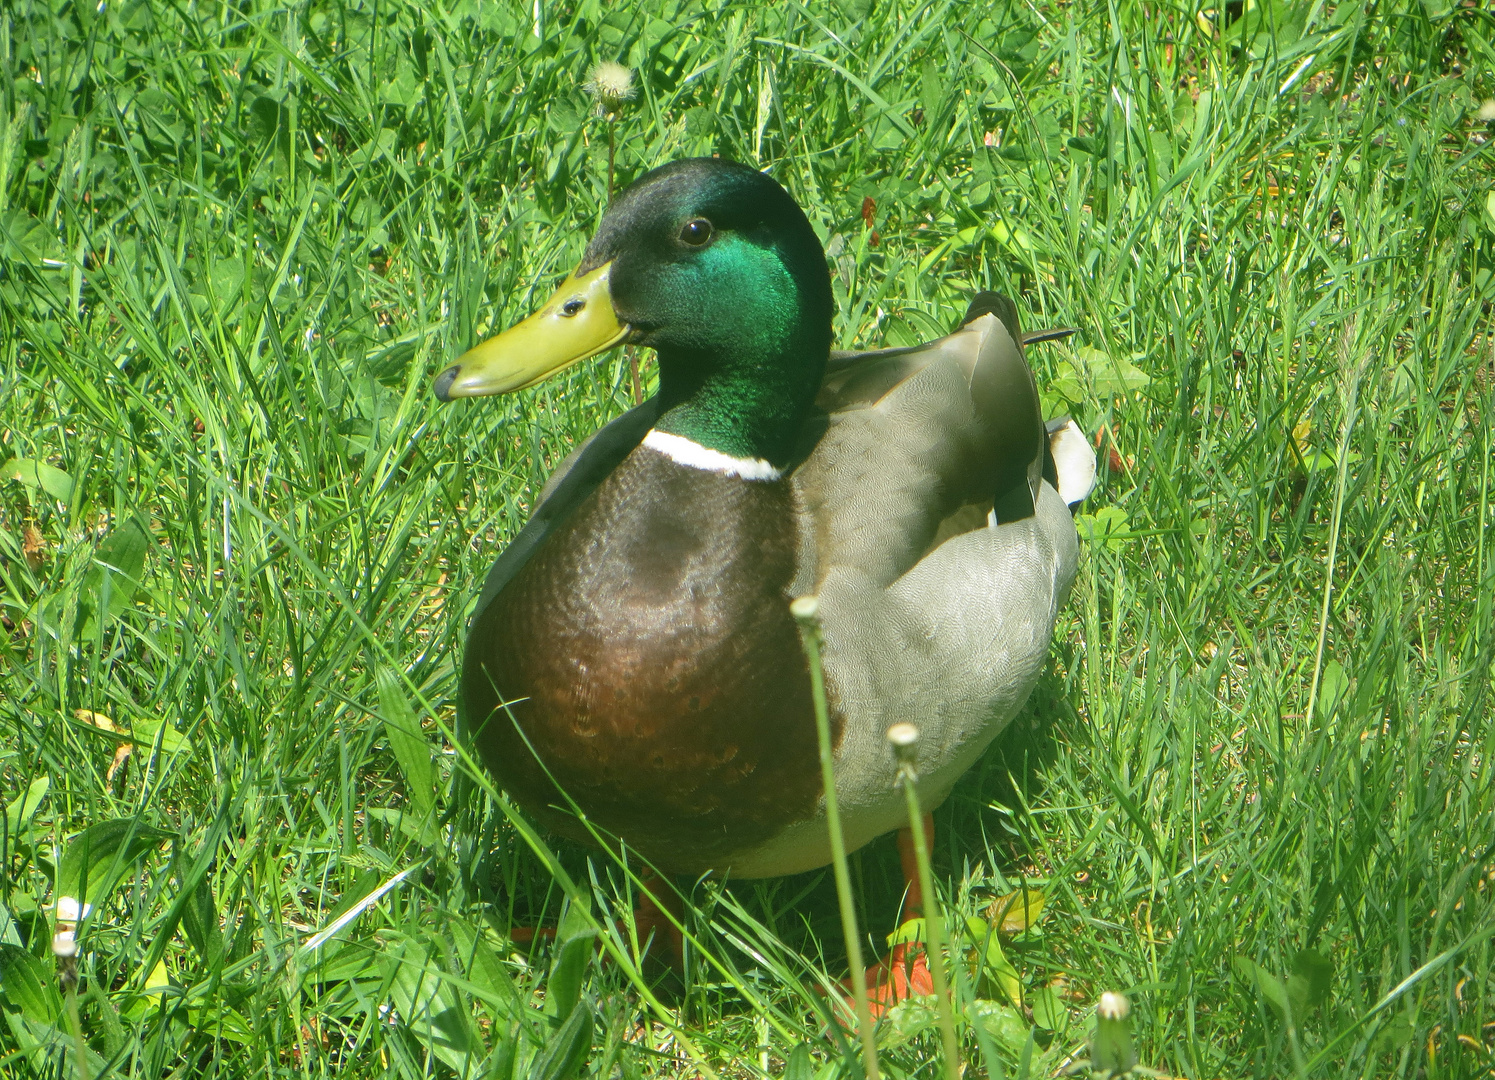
column 1252, row 790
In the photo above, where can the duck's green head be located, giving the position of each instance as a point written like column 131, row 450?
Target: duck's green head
column 713, row 265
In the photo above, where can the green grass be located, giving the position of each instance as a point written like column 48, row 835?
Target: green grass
column 237, row 242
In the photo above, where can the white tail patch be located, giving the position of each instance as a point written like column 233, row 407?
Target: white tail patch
column 1074, row 461
column 683, row 451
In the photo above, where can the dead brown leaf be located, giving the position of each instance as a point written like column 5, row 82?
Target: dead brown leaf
column 103, row 723
column 33, row 546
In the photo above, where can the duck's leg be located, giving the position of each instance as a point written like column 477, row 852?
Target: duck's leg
column 528, row 935
column 904, row 972
column 657, row 902
column 657, row 931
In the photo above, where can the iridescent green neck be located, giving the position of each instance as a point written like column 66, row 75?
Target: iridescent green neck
column 745, row 389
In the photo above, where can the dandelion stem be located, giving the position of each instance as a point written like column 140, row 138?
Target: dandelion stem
column 934, row 923
column 70, row 994
column 611, row 154
column 806, row 610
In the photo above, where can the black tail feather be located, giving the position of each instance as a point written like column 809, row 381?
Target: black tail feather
column 1054, row 333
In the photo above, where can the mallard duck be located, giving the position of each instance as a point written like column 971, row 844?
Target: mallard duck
column 633, row 657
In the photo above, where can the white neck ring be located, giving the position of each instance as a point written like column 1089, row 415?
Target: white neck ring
column 685, row 452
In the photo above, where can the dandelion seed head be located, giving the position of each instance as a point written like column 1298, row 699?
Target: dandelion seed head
column 611, row 84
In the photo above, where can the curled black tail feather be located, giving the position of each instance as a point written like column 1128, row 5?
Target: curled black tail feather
column 991, row 303
column 994, row 303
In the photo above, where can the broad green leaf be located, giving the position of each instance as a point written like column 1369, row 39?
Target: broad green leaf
column 24, row 806
column 327, row 942
column 1048, row 1008
column 25, row 239
column 1332, row 686
column 146, row 730
column 420, row 829
column 905, row 1020
column 485, row 969
column 500, row 1064
column 1393, row 1035
column 1309, row 985
column 218, row 1021
column 932, row 90
column 406, row 741
column 1271, row 988
column 356, row 960
column 8, row 932
column 40, row 1043
column 799, row 1065
column 1264, row 27
column 38, row 474
column 701, row 122
column 567, row 1050
column 1001, row 1022
column 1108, row 526
column 101, row 854
column 908, row 931
column 992, row 963
column 564, row 989
column 148, row 999
column 428, row 1005
column 1012, row 237
column 158, row 981
column 27, row 986
column 118, row 566
column 200, row 923
column 1094, row 372
column 1315, row 459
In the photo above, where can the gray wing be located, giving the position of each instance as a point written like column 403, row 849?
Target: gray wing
column 912, row 437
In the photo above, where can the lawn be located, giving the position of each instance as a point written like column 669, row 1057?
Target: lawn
column 239, row 538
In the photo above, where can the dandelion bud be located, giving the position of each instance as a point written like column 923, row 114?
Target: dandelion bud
column 64, row 945
column 1112, row 1052
column 805, row 608
column 903, row 737
column 69, row 910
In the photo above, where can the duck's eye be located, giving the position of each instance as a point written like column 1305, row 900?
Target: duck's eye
column 696, row 232
column 572, row 307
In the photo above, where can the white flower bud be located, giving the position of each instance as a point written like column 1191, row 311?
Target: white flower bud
column 1113, row 1006
column 70, row 911
column 903, row 734
column 1112, row 1051
column 63, row 944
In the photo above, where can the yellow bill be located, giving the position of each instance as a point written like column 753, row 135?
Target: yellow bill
column 578, row 321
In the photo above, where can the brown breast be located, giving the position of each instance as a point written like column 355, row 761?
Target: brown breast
column 654, row 669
